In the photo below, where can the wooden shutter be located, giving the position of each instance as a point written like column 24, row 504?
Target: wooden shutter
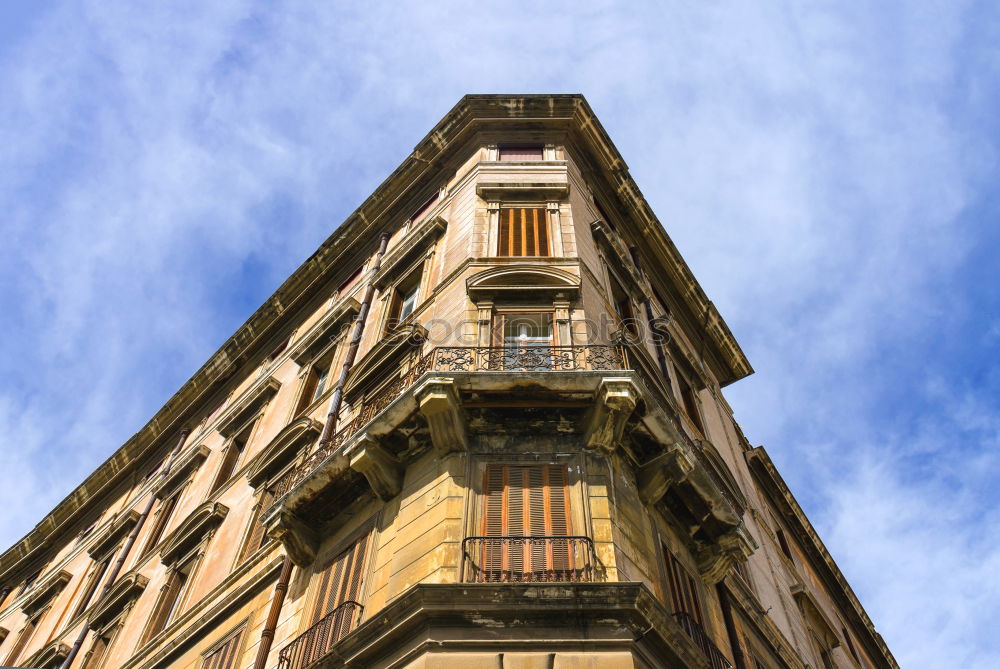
column 162, row 518
column 342, row 580
column 683, row 588
column 523, row 232
column 95, row 658
column 22, row 640
column 92, row 582
column 165, row 605
column 525, row 501
column 224, row 655
column 256, row 537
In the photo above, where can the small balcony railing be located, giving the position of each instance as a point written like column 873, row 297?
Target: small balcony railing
column 524, row 559
column 716, row 660
column 458, row 359
column 316, row 642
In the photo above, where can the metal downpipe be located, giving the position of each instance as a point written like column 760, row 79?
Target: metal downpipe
column 281, row 587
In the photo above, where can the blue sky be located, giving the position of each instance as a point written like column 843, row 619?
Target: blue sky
column 828, row 170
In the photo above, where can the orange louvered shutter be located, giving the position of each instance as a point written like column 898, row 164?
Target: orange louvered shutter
column 525, row 501
column 523, row 232
column 342, row 579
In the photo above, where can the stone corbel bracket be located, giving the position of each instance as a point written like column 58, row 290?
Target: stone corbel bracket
column 439, row 403
column 383, row 471
column 656, row 476
column 299, row 539
column 716, row 559
column 615, row 400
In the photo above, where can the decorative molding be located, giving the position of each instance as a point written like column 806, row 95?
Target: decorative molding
column 45, row 592
column 543, row 191
column 181, row 469
column 112, row 534
column 382, row 355
column 322, row 333
column 192, row 530
column 415, row 242
column 536, row 281
column 49, row 656
column 252, row 400
column 125, row 590
column 282, row 449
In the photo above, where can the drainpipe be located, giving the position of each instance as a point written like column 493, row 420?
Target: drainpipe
column 281, row 587
column 120, row 562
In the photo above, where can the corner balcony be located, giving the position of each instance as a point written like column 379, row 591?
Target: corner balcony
column 528, row 559
column 620, row 403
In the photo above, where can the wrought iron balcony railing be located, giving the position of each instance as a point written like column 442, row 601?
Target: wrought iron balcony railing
column 458, row 359
column 528, row 559
column 316, row 642
column 716, row 660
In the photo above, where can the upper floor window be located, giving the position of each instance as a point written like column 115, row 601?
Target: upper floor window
column 315, row 383
column 523, row 231
column 231, row 455
column 403, row 301
column 520, row 151
column 690, row 400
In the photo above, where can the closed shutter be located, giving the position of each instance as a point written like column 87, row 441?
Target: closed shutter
column 523, row 232
column 165, row 606
column 256, row 537
column 683, row 590
column 92, row 582
column 162, row 518
column 342, row 579
column 526, row 501
column 224, row 655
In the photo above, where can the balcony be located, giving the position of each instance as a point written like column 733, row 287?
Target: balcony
column 454, row 359
column 315, row 643
column 528, row 559
column 716, row 660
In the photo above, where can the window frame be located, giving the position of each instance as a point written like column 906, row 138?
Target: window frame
column 515, row 147
column 406, row 289
column 230, row 463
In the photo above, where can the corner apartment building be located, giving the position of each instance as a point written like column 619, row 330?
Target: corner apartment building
column 482, row 426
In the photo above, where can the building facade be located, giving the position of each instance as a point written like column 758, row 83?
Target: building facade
column 482, row 426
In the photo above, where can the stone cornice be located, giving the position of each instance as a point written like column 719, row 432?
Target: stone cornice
column 113, row 533
column 125, row 590
column 45, row 592
column 282, row 449
column 425, row 232
column 819, row 557
column 259, row 394
column 192, row 530
column 321, row 334
column 187, row 463
column 392, row 202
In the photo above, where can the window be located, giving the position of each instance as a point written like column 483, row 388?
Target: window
column 623, row 307
column 403, row 302
column 315, row 383
column 231, row 455
column 850, row 645
column 256, row 538
column 22, row 638
column 341, row 581
column 527, row 340
column 422, row 209
column 783, row 543
column 690, row 401
column 171, row 597
column 224, row 655
column 350, row 282
column 526, row 502
column 93, row 581
column 523, row 232
column 682, row 588
column 520, row 152
column 163, row 515
column 99, row 649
